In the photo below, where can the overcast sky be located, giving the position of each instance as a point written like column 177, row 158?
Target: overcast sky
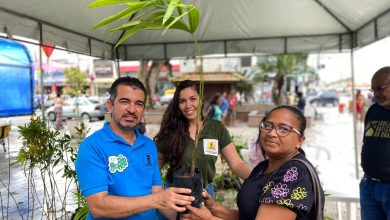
column 366, row 61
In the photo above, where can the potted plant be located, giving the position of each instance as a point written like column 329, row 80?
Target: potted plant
column 49, row 152
column 162, row 15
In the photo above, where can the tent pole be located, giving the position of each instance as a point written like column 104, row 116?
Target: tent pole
column 118, row 68
column 354, row 117
column 41, row 72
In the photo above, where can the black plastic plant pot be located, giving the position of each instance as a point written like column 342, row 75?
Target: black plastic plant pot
column 182, row 179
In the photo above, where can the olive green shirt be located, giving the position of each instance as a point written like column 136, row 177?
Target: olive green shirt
column 212, row 140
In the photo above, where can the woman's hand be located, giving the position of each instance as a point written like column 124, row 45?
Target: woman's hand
column 210, row 210
column 208, row 200
column 201, row 213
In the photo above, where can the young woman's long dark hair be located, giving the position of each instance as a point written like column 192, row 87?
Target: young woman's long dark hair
column 174, row 130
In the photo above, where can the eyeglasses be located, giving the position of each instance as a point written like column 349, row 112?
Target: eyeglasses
column 281, row 130
column 380, row 88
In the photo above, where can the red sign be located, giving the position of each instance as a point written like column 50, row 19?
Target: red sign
column 48, row 49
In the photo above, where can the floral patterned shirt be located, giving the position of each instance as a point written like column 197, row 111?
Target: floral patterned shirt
column 290, row 186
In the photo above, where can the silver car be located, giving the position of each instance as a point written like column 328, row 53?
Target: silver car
column 86, row 110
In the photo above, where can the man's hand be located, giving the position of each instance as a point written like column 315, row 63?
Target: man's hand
column 171, row 197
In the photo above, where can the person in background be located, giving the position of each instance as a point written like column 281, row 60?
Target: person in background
column 256, row 153
column 176, row 138
column 232, row 110
column 224, row 106
column 58, row 103
column 375, row 156
column 214, row 111
column 117, row 166
column 301, row 103
column 277, row 188
column 360, row 111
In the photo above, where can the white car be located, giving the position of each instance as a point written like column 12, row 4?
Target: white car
column 166, row 99
column 86, row 110
column 47, row 102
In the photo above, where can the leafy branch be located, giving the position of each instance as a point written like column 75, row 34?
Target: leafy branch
column 150, row 15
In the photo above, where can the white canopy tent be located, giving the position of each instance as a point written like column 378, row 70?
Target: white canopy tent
column 226, row 27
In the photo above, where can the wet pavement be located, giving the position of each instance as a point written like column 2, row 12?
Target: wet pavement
column 329, row 146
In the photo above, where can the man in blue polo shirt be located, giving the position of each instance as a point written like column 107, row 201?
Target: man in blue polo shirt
column 117, row 166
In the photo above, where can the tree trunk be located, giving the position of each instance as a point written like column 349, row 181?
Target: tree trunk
column 151, row 79
column 143, row 70
column 143, row 75
column 277, row 89
column 168, row 66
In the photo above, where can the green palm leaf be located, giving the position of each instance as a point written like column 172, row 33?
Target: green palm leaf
column 99, row 3
column 172, row 5
column 131, row 32
column 155, row 15
column 175, row 20
column 193, row 19
column 126, row 26
column 125, row 13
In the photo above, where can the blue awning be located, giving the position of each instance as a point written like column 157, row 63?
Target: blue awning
column 16, row 79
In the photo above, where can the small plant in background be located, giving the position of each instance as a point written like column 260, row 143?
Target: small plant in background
column 50, row 152
column 227, row 180
column 239, row 143
column 227, row 184
column 227, row 198
column 38, row 155
column 164, row 171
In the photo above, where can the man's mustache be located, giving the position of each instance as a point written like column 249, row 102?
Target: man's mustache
column 130, row 114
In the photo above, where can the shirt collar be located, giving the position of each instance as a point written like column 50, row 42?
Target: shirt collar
column 110, row 136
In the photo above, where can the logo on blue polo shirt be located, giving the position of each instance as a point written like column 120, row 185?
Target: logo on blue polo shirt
column 117, row 163
column 148, row 161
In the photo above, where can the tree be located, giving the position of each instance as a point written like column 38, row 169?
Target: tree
column 150, row 76
column 76, row 81
column 282, row 66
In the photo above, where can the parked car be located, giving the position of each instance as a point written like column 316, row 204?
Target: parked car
column 98, row 99
column 167, row 97
column 47, row 102
column 327, row 97
column 87, row 109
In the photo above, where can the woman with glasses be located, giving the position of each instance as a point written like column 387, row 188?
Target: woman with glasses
column 279, row 187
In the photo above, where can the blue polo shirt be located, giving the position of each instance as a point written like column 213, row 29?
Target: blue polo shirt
column 106, row 162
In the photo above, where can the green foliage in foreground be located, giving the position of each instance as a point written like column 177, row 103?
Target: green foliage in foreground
column 149, row 15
